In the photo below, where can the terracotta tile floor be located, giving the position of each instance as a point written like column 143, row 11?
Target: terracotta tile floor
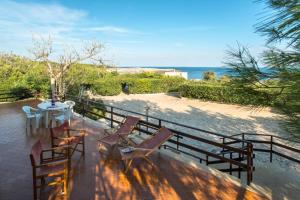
column 94, row 177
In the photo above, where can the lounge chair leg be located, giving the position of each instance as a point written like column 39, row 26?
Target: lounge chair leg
column 149, row 161
column 128, row 165
column 83, row 146
column 65, row 182
column 34, row 189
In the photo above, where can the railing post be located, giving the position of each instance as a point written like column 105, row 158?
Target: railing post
column 249, row 163
column 177, row 145
column 83, row 109
column 230, row 164
column 243, row 138
column 271, row 149
column 111, row 117
column 159, row 123
column 239, row 172
column 206, row 159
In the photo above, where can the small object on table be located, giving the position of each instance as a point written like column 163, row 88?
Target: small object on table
column 52, row 102
column 127, row 150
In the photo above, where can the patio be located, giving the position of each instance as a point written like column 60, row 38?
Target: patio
column 94, row 177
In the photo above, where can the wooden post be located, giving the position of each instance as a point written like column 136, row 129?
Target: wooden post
column 206, row 159
column 249, row 163
column 111, row 117
column 230, row 164
column 239, row 172
column 271, row 149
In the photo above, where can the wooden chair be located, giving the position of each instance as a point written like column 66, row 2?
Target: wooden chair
column 43, row 168
column 147, row 147
column 61, row 136
column 122, row 132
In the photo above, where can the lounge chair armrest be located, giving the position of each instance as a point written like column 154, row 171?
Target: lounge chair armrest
column 57, row 162
column 63, row 147
column 110, row 131
column 141, row 149
column 80, row 130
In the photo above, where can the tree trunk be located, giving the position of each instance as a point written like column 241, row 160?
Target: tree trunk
column 53, row 87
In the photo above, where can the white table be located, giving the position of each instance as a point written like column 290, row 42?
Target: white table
column 46, row 107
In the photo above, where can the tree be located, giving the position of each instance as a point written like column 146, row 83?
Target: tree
column 42, row 51
column 281, row 77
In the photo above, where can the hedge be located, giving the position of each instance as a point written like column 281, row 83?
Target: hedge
column 152, row 85
column 223, row 93
column 107, row 87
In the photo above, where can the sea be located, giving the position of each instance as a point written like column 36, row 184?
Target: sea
column 197, row 72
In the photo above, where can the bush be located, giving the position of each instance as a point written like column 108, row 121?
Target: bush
column 222, row 93
column 209, row 76
column 107, row 87
column 224, row 79
column 152, row 85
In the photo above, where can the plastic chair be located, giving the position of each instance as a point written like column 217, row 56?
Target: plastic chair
column 71, row 105
column 32, row 113
column 59, row 117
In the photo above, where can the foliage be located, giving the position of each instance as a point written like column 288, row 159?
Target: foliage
column 153, row 84
column 19, row 72
column 107, row 87
column 281, row 78
column 209, row 76
column 224, row 79
column 222, row 93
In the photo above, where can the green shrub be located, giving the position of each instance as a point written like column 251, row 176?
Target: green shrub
column 222, row 93
column 107, row 87
column 152, row 85
column 209, row 76
column 224, row 79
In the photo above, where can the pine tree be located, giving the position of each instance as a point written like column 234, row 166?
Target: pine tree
column 281, row 77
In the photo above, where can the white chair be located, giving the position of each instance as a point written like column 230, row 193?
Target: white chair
column 65, row 115
column 71, row 105
column 32, row 113
column 61, row 116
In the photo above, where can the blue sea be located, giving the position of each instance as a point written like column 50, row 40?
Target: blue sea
column 197, row 72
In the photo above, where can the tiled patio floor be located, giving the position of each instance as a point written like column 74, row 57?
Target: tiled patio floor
column 94, row 177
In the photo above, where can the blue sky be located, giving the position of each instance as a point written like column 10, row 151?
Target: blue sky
column 136, row 32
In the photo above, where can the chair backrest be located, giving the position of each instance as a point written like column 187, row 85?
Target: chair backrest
column 71, row 104
column 160, row 137
column 35, row 153
column 128, row 125
column 60, row 130
column 26, row 110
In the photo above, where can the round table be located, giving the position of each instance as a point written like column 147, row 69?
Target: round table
column 46, row 106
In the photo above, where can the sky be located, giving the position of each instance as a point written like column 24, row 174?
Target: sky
column 136, row 32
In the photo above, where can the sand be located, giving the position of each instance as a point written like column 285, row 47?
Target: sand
column 226, row 119
column 221, row 118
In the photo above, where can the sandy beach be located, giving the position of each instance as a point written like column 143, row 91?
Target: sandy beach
column 221, row 118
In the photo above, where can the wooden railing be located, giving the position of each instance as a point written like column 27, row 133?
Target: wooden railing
column 6, row 96
column 190, row 141
column 270, row 144
column 14, row 95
